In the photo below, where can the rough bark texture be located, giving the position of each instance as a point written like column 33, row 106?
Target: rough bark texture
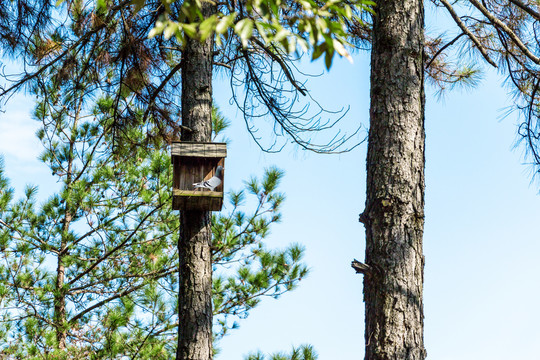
column 194, row 246
column 394, row 215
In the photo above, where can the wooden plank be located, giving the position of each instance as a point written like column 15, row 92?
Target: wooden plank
column 214, row 150
column 198, row 193
column 199, row 149
column 176, row 172
column 197, row 200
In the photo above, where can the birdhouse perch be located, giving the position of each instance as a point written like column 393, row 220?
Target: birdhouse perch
column 195, row 162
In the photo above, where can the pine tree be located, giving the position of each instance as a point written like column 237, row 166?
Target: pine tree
column 304, row 352
column 497, row 32
column 127, row 74
column 92, row 272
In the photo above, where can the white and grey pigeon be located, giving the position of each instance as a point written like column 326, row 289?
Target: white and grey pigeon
column 213, row 182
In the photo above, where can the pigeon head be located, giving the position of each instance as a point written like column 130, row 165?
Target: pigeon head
column 219, row 172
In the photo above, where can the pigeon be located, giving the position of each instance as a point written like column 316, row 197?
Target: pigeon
column 213, row 182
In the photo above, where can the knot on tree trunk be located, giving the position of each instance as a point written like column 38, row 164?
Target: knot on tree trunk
column 363, row 218
column 361, row 268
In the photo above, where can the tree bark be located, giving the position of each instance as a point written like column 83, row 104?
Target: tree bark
column 194, row 245
column 394, row 214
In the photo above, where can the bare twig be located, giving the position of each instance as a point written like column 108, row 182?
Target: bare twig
column 443, row 48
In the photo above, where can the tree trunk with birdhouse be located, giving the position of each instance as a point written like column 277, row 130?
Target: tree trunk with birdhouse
column 194, row 245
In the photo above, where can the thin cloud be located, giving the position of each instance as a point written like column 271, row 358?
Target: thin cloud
column 17, row 136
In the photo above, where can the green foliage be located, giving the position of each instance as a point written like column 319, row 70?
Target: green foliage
column 104, row 46
column 112, row 231
column 105, row 91
column 289, row 25
column 304, row 352
column 110, row 228
column 219, row 124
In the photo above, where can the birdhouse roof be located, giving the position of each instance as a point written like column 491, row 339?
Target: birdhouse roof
column 198, row 149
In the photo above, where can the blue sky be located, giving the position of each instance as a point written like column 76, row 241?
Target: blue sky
column 481, row 243
column 481, row 239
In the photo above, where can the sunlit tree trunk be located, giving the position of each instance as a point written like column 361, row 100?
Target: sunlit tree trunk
column 394, row 214
column 194, row 246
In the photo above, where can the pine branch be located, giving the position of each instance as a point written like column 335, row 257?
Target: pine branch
column 282, row 65
column 104, row 301
column 526, row 8
column 447, row 45
column 153, row 274
column 81, row 40
column 115, row 248
column 466, row 30
column 498, row 23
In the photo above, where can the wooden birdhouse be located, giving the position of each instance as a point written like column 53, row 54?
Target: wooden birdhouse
column 195, row 162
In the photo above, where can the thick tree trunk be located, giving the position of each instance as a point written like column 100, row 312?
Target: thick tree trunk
column 394, row 215
column 194, row 246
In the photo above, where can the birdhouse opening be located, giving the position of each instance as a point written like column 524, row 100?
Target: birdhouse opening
column 197, row 163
